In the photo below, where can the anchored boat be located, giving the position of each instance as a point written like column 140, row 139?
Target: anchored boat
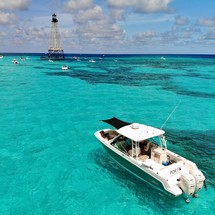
column 64, row 67
column 142, row 150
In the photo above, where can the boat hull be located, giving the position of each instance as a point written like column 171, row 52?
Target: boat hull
column 137, row 171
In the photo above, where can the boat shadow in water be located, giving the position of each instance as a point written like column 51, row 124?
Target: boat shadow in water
column 145, row 193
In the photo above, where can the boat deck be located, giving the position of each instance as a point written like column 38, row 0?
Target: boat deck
column 159, row 166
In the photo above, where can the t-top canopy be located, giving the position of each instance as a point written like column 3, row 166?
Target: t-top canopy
column 134, row 131
column 117, row 123
column 139, row 132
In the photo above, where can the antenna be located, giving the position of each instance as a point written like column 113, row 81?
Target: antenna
column 170, row 114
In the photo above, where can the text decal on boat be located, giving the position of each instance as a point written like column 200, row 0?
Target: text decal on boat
column 174, row 171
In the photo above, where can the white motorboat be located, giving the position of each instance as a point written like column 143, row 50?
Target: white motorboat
column 1, row 56
column 142, row 150
column 15, row 61
column 92, row 61
column 64, row 67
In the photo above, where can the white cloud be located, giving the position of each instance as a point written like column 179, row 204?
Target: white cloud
column 13, row 4
column 179, row 21
column 100, row 31
column 91, row 14
column 117, row 14
column 148, row 34
column 169, row 37
column 78, row 4
column 93, row 26
column 142, row 6
column 7, row 18
column 210, row 35
column 207, row 22
column 68, row 33
column 37, row 33
column 3, row 34
column 145, row 37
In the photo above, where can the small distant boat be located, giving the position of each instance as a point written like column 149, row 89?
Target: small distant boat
column 50, row 60
column 22, row 59
column 15, row 61
column 163, row 58
column 64, row 67
column 1, row 56
column 92, row 61
column 142, row 150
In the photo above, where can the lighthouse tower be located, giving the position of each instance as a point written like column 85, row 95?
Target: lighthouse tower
column 55, row 51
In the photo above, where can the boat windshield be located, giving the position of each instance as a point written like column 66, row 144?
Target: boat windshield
column 159, row 140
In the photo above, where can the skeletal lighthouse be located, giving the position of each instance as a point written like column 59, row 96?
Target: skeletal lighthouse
column 55, row 50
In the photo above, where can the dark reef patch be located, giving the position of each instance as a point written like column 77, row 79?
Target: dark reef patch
column 194, row 74
column 123, row 77
column 123, row 74
column 185, row 92
column 49, row 68
column 120, row 76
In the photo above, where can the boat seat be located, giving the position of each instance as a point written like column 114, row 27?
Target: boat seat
column 111, row 134
column 104, row 135
column 143, row 157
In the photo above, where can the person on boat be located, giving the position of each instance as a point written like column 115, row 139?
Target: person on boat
column 128, row 144
column 145, row 147
column 142, row 146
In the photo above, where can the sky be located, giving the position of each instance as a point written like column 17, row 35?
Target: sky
column 110, row 26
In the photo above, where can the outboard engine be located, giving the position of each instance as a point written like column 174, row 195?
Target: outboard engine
column 188, row 184
column 199, row 179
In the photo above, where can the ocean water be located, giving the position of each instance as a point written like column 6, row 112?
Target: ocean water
column 50, row 161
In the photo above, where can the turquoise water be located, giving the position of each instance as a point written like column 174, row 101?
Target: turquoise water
column 51, row 163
